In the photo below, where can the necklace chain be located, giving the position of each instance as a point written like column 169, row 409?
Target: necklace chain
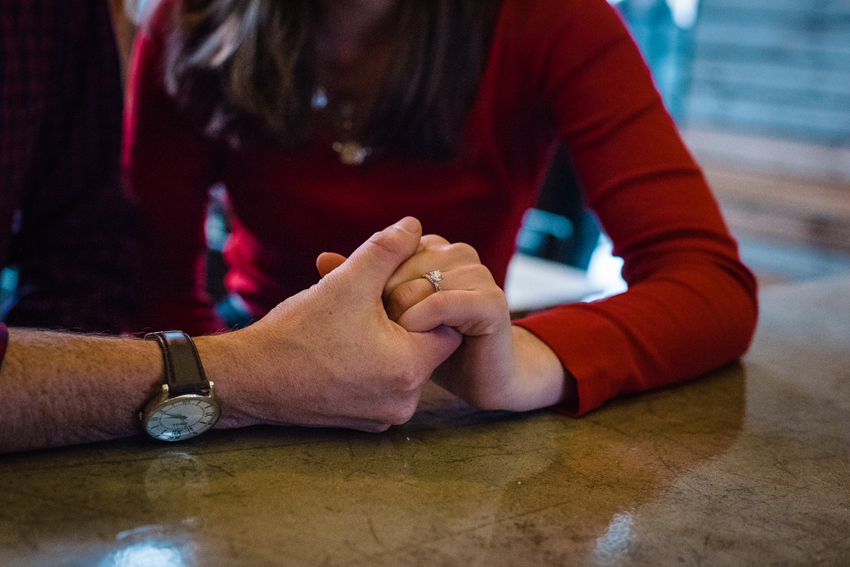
column 349, row 150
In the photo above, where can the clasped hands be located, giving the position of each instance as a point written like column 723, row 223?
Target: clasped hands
column 496, row 365
column 356, row 349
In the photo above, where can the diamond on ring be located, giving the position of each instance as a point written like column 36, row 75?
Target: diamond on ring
column 435, row 277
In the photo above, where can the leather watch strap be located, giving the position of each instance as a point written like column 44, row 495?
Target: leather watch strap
column 184, row 372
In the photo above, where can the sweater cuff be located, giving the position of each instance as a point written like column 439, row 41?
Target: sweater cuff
column 584, row 353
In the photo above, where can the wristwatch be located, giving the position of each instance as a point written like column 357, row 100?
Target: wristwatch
column 187, row 405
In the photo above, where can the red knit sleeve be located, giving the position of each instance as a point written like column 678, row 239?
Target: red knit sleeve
column 168, row 171
column 691, row 303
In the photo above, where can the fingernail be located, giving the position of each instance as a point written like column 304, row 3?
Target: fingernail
column 408, row 224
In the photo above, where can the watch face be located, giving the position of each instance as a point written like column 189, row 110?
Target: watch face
column 181, row 418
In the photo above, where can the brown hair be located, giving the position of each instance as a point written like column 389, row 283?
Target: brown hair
column 245, row 68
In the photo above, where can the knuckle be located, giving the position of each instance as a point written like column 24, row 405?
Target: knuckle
column 408, row 379
column 433, row 241
column 440, row 302
column 479, row 274
column 496, row 297
column 402, row 412
column 465, row 252
column 482, row 271
column 385, row 242
column 401, row 299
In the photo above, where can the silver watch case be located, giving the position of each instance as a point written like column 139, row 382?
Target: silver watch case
column 181, row 417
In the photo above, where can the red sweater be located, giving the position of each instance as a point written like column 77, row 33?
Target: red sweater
column 559, row 70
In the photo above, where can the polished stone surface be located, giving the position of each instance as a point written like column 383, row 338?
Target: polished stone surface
column 747, row 466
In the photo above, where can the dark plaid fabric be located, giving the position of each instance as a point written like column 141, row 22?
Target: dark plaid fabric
column 4, row 340
column 63, row 219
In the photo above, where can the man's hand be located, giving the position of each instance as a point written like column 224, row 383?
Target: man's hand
column 331, row 356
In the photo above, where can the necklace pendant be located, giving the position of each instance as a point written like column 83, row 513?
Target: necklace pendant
column 351, row 153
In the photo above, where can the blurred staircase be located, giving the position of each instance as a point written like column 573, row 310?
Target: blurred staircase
column 768, row 116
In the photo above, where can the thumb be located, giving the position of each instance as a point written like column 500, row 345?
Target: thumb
column 372, row 264
column 327, row 262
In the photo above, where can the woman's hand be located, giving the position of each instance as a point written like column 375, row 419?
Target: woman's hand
column 498, row 366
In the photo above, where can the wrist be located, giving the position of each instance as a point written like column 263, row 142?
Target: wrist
column 225, row 364
column 541, row 374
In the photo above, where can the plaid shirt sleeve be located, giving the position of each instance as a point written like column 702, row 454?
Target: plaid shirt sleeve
column 4, row 340
column 64, row 221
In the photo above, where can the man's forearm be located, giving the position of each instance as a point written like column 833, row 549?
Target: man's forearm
column 59, row 389
column 328, row 356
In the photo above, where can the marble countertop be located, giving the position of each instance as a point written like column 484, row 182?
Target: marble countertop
column 749, row 465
